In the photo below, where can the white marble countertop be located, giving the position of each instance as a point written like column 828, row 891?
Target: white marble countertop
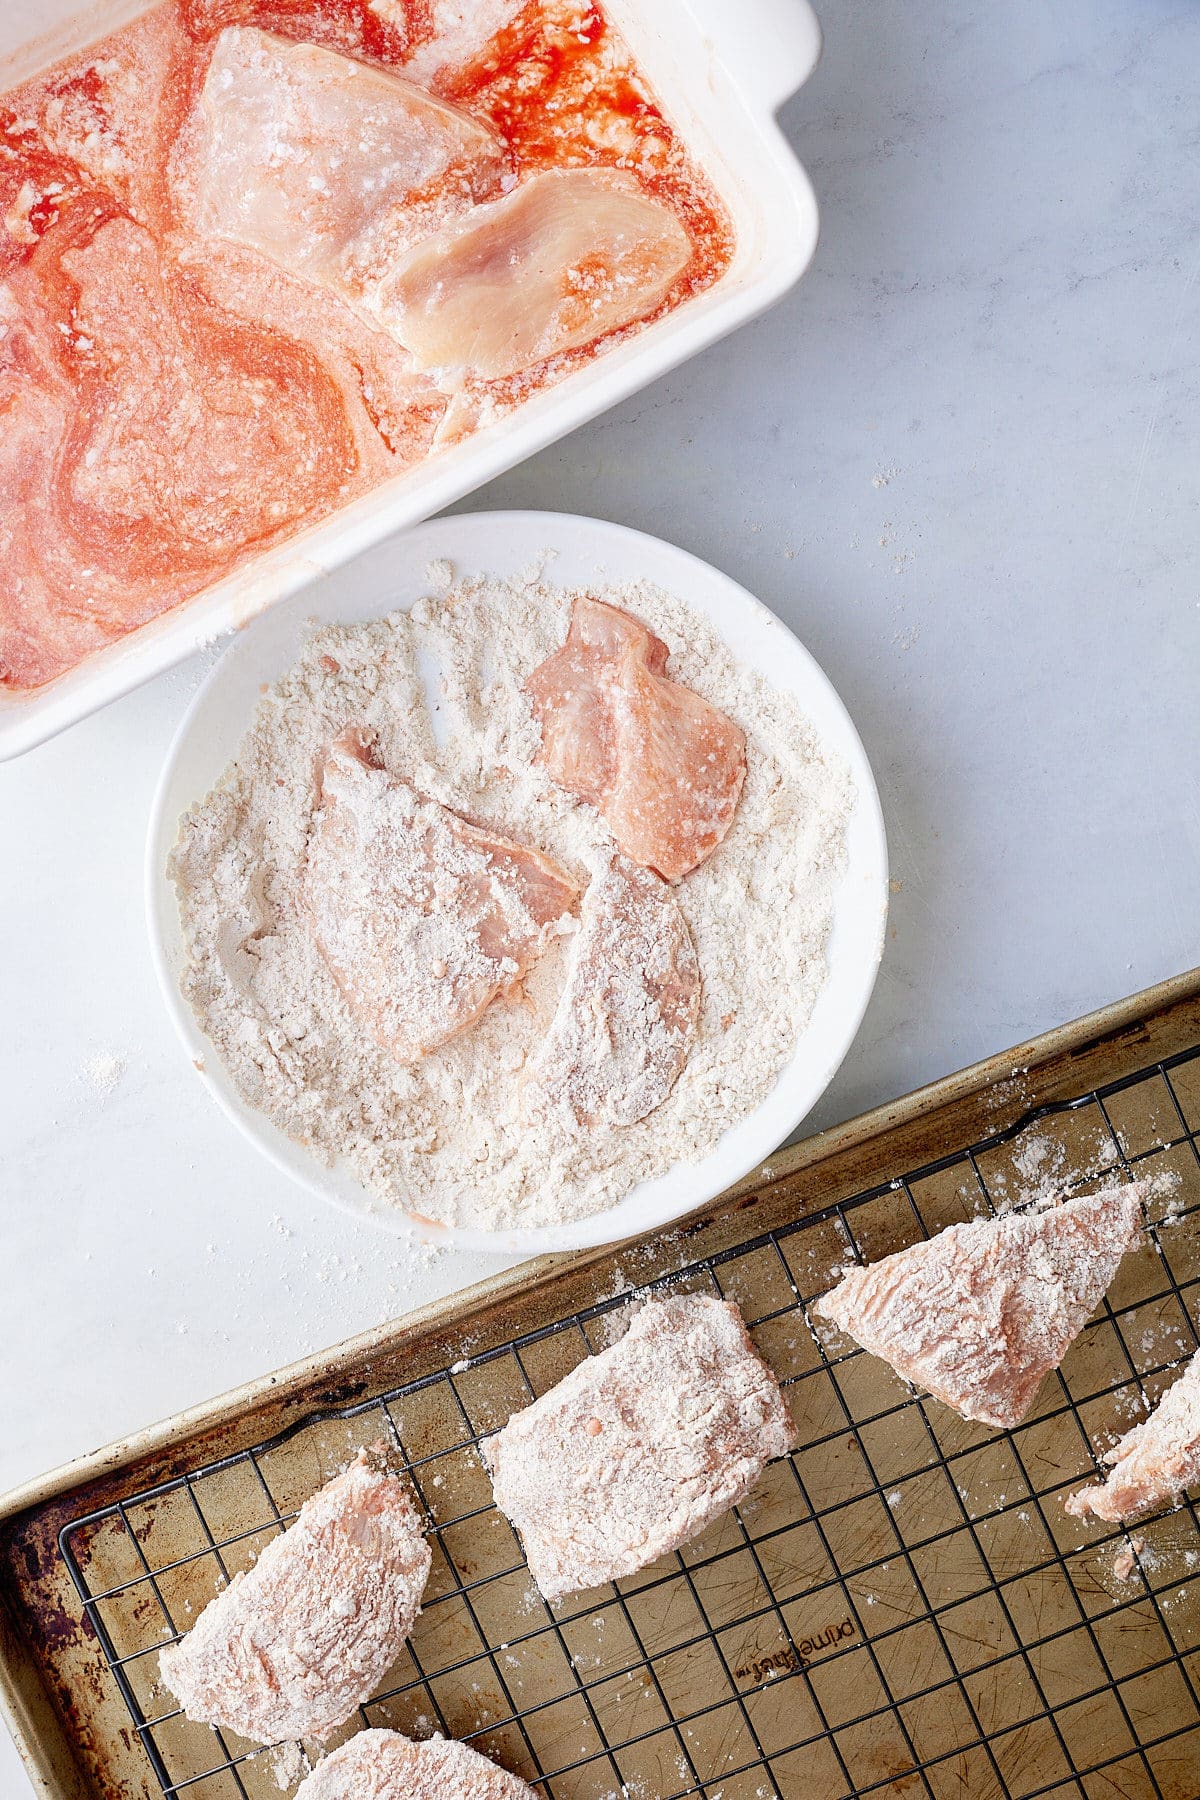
column 960, row 460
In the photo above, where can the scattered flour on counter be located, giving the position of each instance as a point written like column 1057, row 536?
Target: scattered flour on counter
column 442, row 686
column 104, row 1071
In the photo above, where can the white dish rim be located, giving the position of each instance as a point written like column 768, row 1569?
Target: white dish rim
column 856, row 944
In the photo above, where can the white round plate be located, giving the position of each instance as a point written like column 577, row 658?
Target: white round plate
column 582, row 551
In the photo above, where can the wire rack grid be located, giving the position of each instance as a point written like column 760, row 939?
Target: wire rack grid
column 900, row 1608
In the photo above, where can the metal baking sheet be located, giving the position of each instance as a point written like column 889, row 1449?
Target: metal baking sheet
column 901, row 1608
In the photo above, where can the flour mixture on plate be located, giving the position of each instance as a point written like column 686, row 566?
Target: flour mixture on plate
column 614, row 896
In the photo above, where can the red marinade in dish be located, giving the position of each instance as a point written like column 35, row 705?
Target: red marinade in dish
column 257, row 256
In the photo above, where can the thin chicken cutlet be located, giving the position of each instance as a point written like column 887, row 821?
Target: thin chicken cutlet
column 384, row 1765
column 981, row 1313
column 290, row 1649
column 1155, row 1463
column 641, row 1447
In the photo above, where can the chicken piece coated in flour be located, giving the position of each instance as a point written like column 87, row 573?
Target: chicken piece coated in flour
column 638, row 1449
column 383, row 1765
column 290, row 1649
column 1153, row 1464
column 978, row 1315
column 663, row 765
column 626, row 1018
column 422, row 917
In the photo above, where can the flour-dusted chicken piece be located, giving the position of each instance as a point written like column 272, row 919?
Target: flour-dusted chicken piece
column 564, row 258
column 978, row 1315
column 1155, row 1463
column 326, row 165
column 626, row 1018
column 291, row 1648
column 640, row 1448
column 422, row 917
column 383, row 1765
column 662, row 765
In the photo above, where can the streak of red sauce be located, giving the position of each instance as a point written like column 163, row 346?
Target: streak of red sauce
column 568, row 95
column 36, row 188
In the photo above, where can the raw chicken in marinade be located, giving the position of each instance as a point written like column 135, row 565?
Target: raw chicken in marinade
column 383, row 1765
column 663, row 765
column 638, row 1449
column 317, row 182
column 146, row 444
column 184, row 448
column 422, row 917
column 326, row 165
column 627, row 1015
column 393, row 411
column 566, row 257
column 291, row 1648
column 978, row 1315
column 1155, row 1463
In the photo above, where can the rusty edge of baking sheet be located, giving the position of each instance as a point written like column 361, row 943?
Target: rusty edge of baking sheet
column 40, row 1618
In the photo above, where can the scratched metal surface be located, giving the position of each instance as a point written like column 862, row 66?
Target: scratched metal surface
column 901, row 1608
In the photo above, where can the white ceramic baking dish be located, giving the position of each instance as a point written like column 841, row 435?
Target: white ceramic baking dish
column 721, row 72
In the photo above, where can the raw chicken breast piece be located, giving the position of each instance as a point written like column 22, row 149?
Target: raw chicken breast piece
column 1154, row 1463
column 39, row 633
column 324, row 164
column 978, row 1315
column 638, row 1449
column 568, row 256
column 626, row 1018
column 145, row 450
column 190, row 439
column 393, row 411
column 422, row 917
column 291, row 1648
column 662, row 765
column 383, row 1765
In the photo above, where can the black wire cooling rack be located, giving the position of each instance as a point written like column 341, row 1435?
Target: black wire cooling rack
column 900, row 1608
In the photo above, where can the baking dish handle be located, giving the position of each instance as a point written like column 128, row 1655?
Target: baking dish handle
column 769, row 47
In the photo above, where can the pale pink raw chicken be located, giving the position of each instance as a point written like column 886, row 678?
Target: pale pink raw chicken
column 1154, row 1463
column 423, row 918
column 290, row 1649
column 393, row 411
column 663, row 765
column 173, row 440
column 383, row 1765
column 638, row 1449
column 564, row 258
column 327, row 165
column 978, row 1315
column 626, row 1018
